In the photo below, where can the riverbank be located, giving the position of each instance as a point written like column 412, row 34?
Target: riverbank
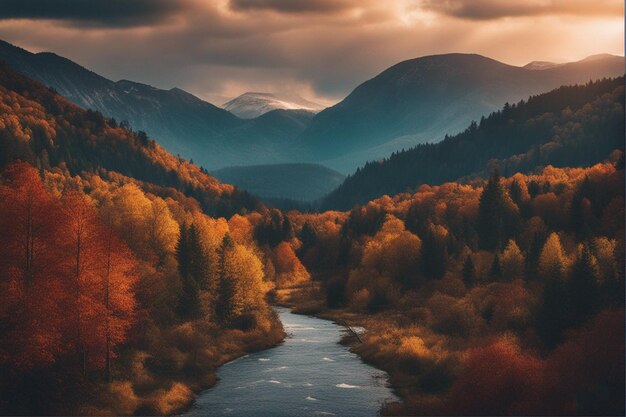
column 167, row 381
column 381, row 346
column 310, row 374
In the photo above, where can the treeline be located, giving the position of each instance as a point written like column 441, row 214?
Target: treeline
column 514, row 274
column 41, row 127
column 569, row 126
column 118, row 294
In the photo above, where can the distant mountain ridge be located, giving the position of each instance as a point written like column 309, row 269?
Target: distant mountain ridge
column 251, row 105
column 423, row 99
column 415, row 101
column 181, row 122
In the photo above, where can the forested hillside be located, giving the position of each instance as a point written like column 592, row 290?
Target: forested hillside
column 43, row 128
column 502, row 297
column 570, row 126
column 118, row 293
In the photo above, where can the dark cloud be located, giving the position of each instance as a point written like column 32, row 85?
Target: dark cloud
column 495, row 9
column 101, row 13
column 214, row 50
column 292, row 6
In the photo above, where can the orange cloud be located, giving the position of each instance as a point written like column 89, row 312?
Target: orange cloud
column 495, row 9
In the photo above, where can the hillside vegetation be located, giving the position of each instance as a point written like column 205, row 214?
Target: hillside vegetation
column 119, row 294
column 570, row 126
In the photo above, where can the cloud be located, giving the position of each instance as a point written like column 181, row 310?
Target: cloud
column 101, row 13
column 215, row 51
column 293, row 6
column 495, row 9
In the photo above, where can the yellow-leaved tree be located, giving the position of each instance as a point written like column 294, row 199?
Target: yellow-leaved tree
column 512, row 261
column 552, row 260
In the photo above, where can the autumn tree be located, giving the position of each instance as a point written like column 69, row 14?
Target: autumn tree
column 119, row 278
column 552, row 259
column 241, row 287
column 512, row 261
column 34, row 329
column 552, row 315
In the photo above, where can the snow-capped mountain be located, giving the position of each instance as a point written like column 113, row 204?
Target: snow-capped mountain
column 250, row 105
column 541, row 65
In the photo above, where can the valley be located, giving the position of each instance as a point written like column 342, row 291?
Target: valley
column 446, row 239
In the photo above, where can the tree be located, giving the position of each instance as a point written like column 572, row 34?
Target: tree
column 119, row 279
column 469, row 272
column 190, row 265
column 162, row 229
column 552, row 260
column 224, row 306
column 583, row 287
column 497, row 214
column 435, row 251
column 85, row 241
column 308, row 237
column 496, row 268
column 512, row 261
column 552, row 316
column 34, row 329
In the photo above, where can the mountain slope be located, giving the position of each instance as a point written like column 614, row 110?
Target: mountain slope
column 570, row 126
column 421, row 100
column 181, row 122
column 46, row 130
column 169, row 115
column 250, row 105
column 301, row 182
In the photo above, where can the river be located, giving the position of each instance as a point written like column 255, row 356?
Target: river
column 310, row 374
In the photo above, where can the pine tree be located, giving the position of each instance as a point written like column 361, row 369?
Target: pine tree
column 189, row 305
column 532, row 255
column 469, row 272
column 496, row 268
column 434, row 252
column 552, row 314
column 497, row 214
column 199, row 263
column 224, row 305
column 583, row 288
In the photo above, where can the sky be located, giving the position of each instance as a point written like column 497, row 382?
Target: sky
column 318, row 49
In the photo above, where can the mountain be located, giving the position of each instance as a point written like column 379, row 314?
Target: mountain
column 569, row 126
column 413, row 102
column 266, row 139
column 301, row 182
column 47, row 131
column 181, row 122
column 540, row 65
column 178, row 119
column 422, row 99
column 250, row 105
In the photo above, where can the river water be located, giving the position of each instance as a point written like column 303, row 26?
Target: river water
column 310, row 374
